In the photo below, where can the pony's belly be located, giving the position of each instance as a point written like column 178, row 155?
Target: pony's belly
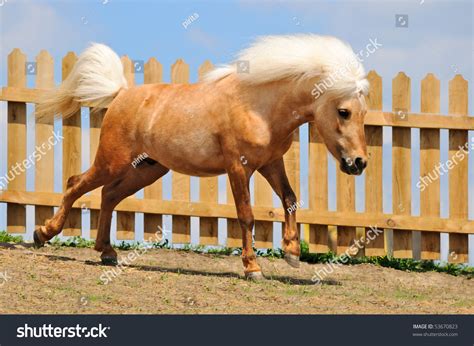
column 193, row 160
column 194, row 168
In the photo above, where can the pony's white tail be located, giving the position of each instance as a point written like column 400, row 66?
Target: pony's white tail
column 96, row 78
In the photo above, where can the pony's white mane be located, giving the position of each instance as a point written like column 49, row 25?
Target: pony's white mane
column 325, row 59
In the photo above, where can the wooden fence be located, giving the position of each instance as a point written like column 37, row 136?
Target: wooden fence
column 324, row 230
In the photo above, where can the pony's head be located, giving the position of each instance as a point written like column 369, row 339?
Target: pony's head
column 340, row 123
column 328, row 68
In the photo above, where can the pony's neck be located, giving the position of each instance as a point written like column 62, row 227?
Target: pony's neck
column 285, row 105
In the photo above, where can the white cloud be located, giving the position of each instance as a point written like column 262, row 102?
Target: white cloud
column 203, row 39
column 33, row 27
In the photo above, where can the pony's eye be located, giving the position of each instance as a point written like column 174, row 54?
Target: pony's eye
column 344, row 113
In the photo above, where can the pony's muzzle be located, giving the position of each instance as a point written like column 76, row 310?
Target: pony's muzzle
column 353, row 166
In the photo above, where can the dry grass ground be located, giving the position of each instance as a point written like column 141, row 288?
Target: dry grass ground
column 67, row 280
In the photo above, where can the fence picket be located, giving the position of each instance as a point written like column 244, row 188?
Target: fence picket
column 375, row 244
column 263, row 198
column 96, row 117
column 126, row 220
column 430, row 244
column 181, row 184
column 16, row 132
column 71, row 152
column 401, row 165
column 318, row 189
column 153, row 74
column 345, row 186
column 292, row 168
column 234, row 232
column 44, row 168
column 458, row 175
column 208, row 190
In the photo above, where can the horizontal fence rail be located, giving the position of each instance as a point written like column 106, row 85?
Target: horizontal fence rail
column 399, row 233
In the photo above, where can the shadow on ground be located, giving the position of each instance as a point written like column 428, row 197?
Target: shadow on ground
column 284, row 279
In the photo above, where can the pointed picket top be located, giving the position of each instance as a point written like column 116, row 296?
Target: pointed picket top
column 44, row 70
column 458, row 95
column 68, row 63
column 430, row 94
column 374, row 98
column 205, row 68
column 373, row 75
column 401, row 92
column 128, row 70
column 153, row 71
column 430, row 76
column 180, row 72
column 17, row 68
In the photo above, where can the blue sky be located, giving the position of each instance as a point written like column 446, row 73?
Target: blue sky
column 439, row 39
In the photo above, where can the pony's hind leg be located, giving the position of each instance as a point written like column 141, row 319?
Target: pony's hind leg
column 112, row 194
column 77, row 185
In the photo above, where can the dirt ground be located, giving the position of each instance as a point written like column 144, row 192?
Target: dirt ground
column 68, row 280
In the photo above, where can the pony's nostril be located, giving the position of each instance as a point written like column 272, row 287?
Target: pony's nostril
column 360, row 163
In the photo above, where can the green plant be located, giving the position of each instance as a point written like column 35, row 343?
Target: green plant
column 272, row 253
column 164, row 244
column 76, row 241
column 129, row 245
column 223, row 251
column 405, row 264
column 8, row 238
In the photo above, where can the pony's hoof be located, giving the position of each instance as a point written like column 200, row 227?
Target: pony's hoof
column 254, row 276
column 109, row 261
column 38, row 242
column 292, row 260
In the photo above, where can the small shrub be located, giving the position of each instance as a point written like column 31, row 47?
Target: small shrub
column 8, row 238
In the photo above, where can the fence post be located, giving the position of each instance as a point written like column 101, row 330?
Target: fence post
column 153, row 74
column 429, row 159
column 16, row 132
column 181, row 184
column 401, row 165
column 458, row 175
column 375, row 244
column 44, row 168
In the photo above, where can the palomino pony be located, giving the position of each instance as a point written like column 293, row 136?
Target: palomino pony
column 205, row 129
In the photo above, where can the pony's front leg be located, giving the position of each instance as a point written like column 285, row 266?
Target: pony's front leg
column 276, row 175
column 239, row 181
